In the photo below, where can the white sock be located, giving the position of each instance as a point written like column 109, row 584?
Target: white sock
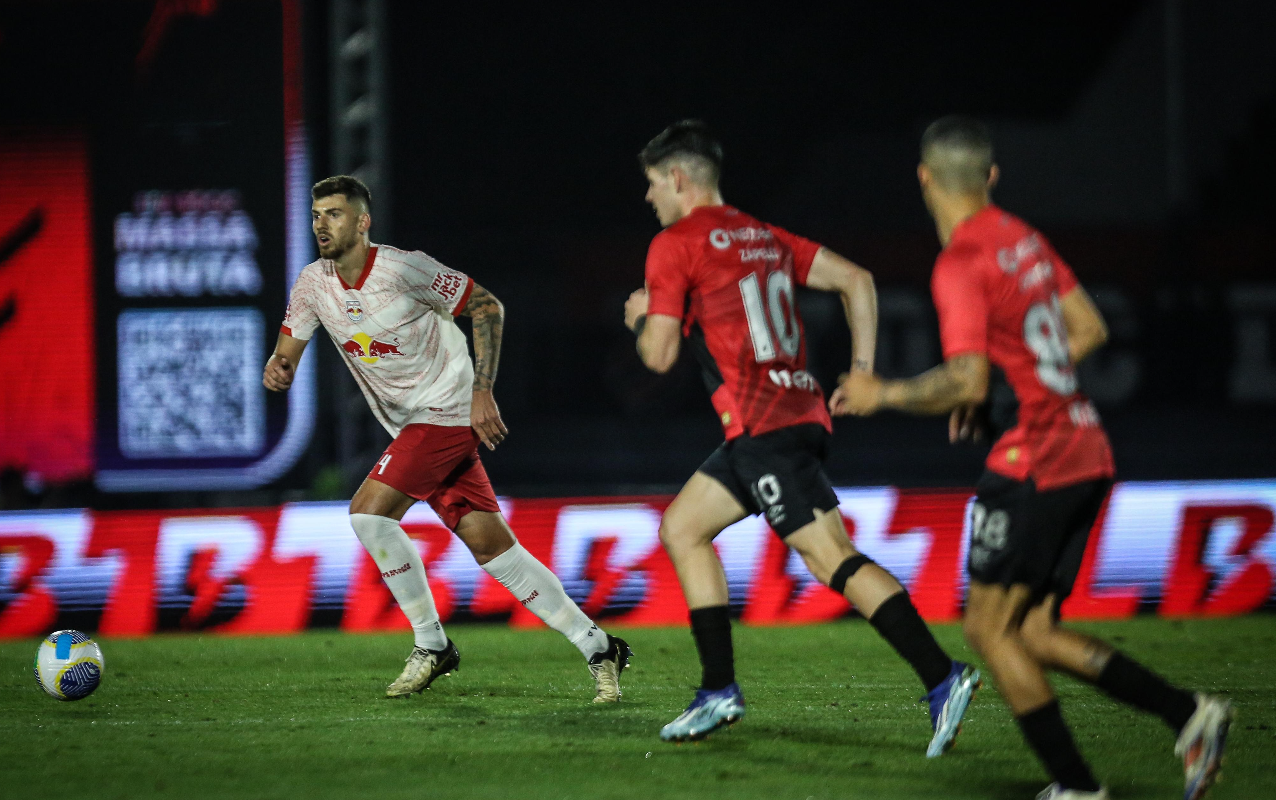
column 401, row 569
column 533, row 585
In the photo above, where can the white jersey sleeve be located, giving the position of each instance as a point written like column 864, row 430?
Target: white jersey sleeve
column 301, row 317
column 436, row 285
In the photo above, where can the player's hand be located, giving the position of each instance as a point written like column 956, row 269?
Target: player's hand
column 635, row 307
column 858, row 393
column 964, row 425
column 279, row 374
column 485, row 419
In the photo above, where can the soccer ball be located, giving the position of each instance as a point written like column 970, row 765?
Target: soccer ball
column 68, row 665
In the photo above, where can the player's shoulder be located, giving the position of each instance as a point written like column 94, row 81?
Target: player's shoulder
column 400, row 260
column 315, row 271
column 960, row 256
column 673, row 241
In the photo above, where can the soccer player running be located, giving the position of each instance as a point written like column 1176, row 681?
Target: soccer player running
column 390, row 313
column 726, row 282
column 1014, row 322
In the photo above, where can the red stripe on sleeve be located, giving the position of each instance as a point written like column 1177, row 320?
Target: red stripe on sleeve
column 465, row 298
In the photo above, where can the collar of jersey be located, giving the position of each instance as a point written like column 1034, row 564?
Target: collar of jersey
column 972, row 222
column 363, row 276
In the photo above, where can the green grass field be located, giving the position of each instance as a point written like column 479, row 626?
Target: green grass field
column 832, row 713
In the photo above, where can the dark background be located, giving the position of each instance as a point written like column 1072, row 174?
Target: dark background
column 1136, row 135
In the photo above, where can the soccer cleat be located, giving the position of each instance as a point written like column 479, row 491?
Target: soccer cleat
column 1056, row 792
column 1201, row 743
column 708, row 712
column 606, row 668
column 422, row 668
column 948, row 703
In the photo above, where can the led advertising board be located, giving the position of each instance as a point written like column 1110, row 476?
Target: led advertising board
column 1180, row 549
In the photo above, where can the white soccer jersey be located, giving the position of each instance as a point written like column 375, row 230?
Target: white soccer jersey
column 396, row 332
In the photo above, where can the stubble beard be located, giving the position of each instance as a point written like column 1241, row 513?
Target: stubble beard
column 338, row 248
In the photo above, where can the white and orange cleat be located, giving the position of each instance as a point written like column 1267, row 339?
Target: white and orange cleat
column 1201, row 744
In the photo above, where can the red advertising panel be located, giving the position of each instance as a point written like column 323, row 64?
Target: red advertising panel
column 1178, row 549
column 46, row 306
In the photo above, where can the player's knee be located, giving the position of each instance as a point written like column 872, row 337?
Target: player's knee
column 486, row 534
column 984, row 627
column 975, row 629
column 671, row 536
column 1037, row 633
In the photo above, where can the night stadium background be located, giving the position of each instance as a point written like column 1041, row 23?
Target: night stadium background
column 155, row 164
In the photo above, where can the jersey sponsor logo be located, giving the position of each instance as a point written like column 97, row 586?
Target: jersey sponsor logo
column 1041, row 272
column 722, row 238
column 759, row 254
column 397, row 571
column 354, row 310
column 1011, row 258
column 797, row 379
column 369, row 350
column 447, row 284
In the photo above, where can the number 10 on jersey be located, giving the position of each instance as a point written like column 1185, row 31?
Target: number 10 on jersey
column 777, row 307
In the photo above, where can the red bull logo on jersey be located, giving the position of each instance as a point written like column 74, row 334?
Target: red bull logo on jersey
column 354, row 310
column 369, row 350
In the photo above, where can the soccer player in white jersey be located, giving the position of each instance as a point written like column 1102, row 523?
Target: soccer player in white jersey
column 390, row 312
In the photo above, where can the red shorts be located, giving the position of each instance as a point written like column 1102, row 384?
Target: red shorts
column 441, row 466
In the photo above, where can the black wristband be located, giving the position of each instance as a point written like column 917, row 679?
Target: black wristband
column 639, row 324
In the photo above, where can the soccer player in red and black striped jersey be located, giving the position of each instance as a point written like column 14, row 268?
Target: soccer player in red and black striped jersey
column 725, row 282
column 1014, row 322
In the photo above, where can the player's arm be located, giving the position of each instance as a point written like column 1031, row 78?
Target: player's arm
column 281, row 367
column 833, row 273
column 659, row 335
column 1087, row 331
column 959, row 382
column 488, row 315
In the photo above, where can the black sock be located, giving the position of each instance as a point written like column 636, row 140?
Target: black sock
column 711, row 628
column 1134, row 684
column 1049, row 738
column 898, row 623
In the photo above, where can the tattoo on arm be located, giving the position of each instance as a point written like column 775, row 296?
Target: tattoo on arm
column 937, row 390
column 489, row 322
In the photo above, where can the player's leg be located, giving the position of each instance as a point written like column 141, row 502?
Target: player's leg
column 703, row 508
column 1200, row 722
column 375, row 512
column 828, row 552
column 467, row 505
column 419, row 459
column 1099, row 663
column 1016, row 542
column 532, row 583
column 992, row 623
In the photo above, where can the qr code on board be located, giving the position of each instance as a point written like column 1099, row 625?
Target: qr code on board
column 190, row 383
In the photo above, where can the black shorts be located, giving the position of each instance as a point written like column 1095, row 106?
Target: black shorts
column 780, row 473
column 1022, row 536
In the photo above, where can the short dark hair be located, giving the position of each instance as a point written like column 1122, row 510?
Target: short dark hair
column 689, row 138
column 349, row 185
column 959, row 150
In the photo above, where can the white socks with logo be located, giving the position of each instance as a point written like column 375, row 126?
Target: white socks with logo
column 533, row 585
column 399, row 560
